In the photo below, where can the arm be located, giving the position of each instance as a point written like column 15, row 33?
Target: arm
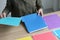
column 7, row 9
column 39, row 7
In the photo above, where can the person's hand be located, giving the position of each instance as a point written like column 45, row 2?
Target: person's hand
column 40, row 12
column 2, row 15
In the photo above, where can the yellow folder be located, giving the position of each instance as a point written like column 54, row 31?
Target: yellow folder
column 25, row 38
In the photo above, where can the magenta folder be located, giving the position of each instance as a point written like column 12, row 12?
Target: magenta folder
column 44, row 36
column 53, row 21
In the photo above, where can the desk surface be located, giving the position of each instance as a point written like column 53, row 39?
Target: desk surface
column 11, row 33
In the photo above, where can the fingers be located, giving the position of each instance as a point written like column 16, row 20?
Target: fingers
column 2, row 15
column 40, row 12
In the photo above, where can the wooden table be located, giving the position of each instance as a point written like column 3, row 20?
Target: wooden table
column 11, row 33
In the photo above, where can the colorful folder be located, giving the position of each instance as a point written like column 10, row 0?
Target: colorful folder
column 44, row 36
column 25, row 38
column 53, row 21
column 57, row 33
column 33, row 22
column 12, row 21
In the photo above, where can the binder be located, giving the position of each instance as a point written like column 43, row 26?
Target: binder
column 53, row 21
column 44, row 36
column 25, row 38
column 33, row 22
column 57, row 32
column 11, row 21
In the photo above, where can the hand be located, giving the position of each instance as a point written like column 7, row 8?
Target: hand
column 2, row 15
column 40, row 12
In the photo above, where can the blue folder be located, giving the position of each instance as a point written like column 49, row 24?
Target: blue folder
column 12, row 21
column 57, row 33
column 33, row 22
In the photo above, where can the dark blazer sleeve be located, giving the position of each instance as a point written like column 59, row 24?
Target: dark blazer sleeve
column 38, row 4
column 7, row 8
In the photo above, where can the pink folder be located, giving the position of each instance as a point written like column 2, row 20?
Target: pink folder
column 44, row 36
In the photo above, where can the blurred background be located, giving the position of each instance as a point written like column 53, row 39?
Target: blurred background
column 48, row 5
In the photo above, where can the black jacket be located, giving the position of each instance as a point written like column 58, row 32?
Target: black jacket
column 22, row 7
